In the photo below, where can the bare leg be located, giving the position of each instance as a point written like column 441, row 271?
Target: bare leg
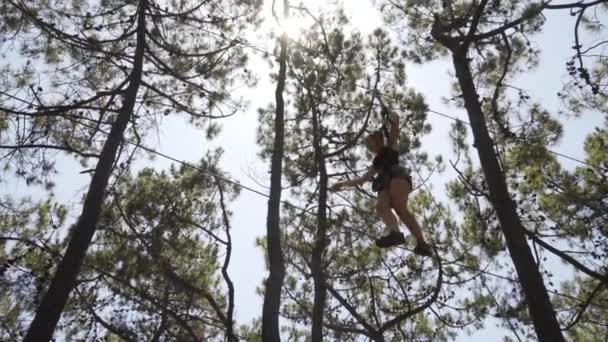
column 399, row 191
column 383, row 209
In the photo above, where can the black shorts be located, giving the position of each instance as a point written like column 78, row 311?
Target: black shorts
column 383, row 180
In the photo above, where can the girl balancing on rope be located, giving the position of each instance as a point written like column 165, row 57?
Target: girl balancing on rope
column 393, row 184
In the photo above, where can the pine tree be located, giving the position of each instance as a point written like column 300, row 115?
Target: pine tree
column 489, row 42
column 113, row 67
column 30, row 248
column 338, row 284
column 276, row 263
column 156, row 270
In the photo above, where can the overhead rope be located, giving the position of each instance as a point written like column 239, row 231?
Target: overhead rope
column 376, row 93
column 255, row 191
column 186, row 164
column 168, row 157
column 548, row 150
column 453, row 118
column 248, row 45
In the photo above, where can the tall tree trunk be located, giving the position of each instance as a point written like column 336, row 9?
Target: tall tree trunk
column 539, row 305
column 274, row 282
column 64, row 280
column 316, row 261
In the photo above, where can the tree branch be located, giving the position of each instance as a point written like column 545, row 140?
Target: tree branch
column 475, row 22
column 580, row 4
column 50, row 147
column 372, row 331
column 398, row 319
column 567, row 258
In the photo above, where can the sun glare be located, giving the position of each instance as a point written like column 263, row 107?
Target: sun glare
column 361, row 13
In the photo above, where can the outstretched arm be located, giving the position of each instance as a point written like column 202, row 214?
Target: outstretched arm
column 393, row 134
column 354, row 182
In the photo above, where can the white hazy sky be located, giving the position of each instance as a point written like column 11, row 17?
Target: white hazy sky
column 180, row 140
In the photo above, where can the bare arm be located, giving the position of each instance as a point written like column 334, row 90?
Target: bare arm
column 393, row 135
column 354, row 182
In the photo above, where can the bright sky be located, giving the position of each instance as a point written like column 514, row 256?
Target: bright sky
column 183, row 142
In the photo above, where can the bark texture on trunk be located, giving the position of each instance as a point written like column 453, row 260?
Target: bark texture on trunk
column 53, row 302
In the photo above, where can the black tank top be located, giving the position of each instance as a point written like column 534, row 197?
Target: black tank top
column 385, row 160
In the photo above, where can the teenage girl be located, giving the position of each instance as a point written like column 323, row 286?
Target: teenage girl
column 393, row 184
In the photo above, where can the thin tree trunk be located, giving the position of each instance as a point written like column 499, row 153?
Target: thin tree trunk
column 539, row 304
column 64, row 280
column 316, row 262
column 230, row 336
column 274, row 282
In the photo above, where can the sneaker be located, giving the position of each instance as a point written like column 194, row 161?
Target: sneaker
column 423, row 249
column 390, row 240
